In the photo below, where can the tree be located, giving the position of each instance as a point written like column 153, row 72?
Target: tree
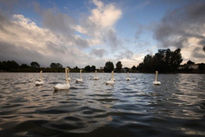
column 134, row 69
column 35, row 64
column 109, row 66
column 190, row 62
column 56, row 65
column 87, row 68
column 75, row 69
column 164, row 60
column 126, row 69
column 9, row 65
column 201, row 66
column 23, row 66
column 118, row 66
column 92, row 68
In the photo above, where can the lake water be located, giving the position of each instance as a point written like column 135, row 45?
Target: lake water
column 92, row 109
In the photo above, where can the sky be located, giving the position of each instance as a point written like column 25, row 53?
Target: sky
column 91, row 32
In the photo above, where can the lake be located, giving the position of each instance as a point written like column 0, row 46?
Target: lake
column 129, row 108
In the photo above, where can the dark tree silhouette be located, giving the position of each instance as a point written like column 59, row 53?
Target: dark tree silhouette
column 118, row 66
column 87, row 68
column 92, row 68
column 109, row 66
column 35, row 64
column 75, row 69
column 9, row 65
column 24, row 66
column 134, row 69
column 190, row 62
column 56, row 65
column 164, row 60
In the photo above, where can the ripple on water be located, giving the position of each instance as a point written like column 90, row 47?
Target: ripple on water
column 129, row 108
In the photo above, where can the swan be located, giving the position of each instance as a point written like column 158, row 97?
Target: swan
column 128, row 78
column 156, row 82
column 68, row 74
column 79, row 80
column 111, row 81
column 63, row 86
column 95, row 77
column 40, row 81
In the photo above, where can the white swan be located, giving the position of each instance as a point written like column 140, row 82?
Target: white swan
column 79, row 80
column 96, row 77
column 111, row 81
column 63, row 86
column 156, row 82
column 68, row 74
column 128, row 78
column 40, row 81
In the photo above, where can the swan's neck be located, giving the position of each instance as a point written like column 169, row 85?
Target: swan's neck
column 66, row 75
column 80, row 75
column 112, row 75
column 156, row 75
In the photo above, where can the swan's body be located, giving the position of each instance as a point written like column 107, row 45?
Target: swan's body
column 111, row 81
column 40, row 81
column 95, row 77
column 128, row 78
column 63, row 86
column 156, row 82
column 79, row 80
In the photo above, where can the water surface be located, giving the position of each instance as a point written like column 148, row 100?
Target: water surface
column 129, row 108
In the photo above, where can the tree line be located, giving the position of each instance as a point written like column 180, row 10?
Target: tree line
column 13, row 66
column 165, row 61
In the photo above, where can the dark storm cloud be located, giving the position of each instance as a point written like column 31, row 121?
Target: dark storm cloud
column 98, row 52
column 21, row 55
column 197, row 54
column 125, row 54
column 61, row 24
column 112, row 39
column 181, row 24
column 8, row 5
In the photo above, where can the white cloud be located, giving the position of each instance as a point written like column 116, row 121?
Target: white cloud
column 99, row 25
column 56, row 40
column 23, row 40
column 133, row 60
column 193, row 51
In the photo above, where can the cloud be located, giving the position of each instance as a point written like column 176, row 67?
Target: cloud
column 184, row 28
column 62, row 25
column 99, row 25
column 25, row 41
column 125, row 54
column 59, row 37
column 98, row 52
column 135, row 59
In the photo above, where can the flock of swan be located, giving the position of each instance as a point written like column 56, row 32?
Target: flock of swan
column 66, row 85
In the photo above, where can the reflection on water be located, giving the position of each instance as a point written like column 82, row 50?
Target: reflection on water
column 129, row 108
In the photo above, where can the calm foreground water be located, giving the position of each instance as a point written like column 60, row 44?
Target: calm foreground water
column 129, row 108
